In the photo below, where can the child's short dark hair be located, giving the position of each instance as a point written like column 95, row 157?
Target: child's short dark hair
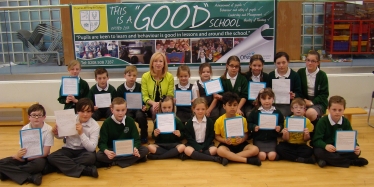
column 230, row 97
column 118, row 101
column 36, row 107
column 298, row 101
column 266, row 92
column 100, row 71
column 337, row 100
column 83, row 104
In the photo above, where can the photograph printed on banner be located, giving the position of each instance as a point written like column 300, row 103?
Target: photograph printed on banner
column 237, row 41
column 96, row 49
column 176, row 50
column 210, row 49
column 136, row 51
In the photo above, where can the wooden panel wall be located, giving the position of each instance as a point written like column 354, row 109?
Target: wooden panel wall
column 288, row 27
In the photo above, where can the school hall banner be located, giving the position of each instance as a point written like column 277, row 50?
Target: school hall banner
column 187, row 32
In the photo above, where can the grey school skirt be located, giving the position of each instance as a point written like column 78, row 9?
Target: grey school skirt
column 265, row 146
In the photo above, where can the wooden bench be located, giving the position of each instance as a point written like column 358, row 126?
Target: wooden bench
column 22, row 105
column 348, row 112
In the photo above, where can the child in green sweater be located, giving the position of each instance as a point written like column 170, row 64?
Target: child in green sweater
column 119, row 127
column 167, row 145
column 324, row 137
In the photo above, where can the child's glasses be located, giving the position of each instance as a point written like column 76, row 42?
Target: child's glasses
column 34, row 115
column 233, row 66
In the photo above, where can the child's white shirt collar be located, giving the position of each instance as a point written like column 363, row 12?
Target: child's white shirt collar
column 128, row 88
column 282, row 76
column 118, row 122
column 340, row 122
column 270, row 111
column 100, row 89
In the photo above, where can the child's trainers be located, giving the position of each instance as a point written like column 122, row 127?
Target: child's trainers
column 359, row 162
column 321, row 163
column 254, row 161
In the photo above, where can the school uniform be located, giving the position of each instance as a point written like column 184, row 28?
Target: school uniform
column 238, row 85
column 19, row 171
column 167, row 143
column 315, row 87
column 78, row 151
column 325, row 133
column 101, row 112
column 83, row 90
column 295, row 147
column 295, row 88
column 119, row 130
column 137, row 114
column 263, row 77
column 199, row 87
column 184, row 113
column 265, row 140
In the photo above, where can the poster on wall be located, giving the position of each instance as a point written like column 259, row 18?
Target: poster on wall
column 186, row 32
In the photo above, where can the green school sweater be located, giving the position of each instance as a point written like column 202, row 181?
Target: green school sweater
column 110, row 131
column 170, row 138
column 83, row 92
column 263, row 135
column 191, row 136
column 122, row 89
column 324, row 132
column 240, row 86
column 94, row 90
column 295, row 82
column 321, row 88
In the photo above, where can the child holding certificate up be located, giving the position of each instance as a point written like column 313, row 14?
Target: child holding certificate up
column 184, row 113
column 296, row 135
column 200, row 134
column 205, row 72
column 101, row 94
column 234, row 81
column 19, row 167
column 167, row 145
column 119, row 127
column 131, row 86
column 325, row 137
column 266, row 122
column 234, row 148
column 255, row 74
column 70, row 101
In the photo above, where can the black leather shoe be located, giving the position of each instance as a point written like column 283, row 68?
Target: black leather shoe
column 35, row 179
column 90, row 171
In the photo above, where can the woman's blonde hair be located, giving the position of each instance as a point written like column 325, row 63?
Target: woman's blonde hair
column 154, row 57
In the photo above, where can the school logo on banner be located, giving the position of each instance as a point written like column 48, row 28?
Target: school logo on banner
column 90, row 20
column 126, row 130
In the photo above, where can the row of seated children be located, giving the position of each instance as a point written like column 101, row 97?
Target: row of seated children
column 79, row 158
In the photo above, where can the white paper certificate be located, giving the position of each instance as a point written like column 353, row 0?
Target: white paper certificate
column 123, row 147
column 267, row 121
column 234, row 127
column 345, row 141
column 281, row 89
column 69, row 86
column 103, row 100
column 31, row 139
column 134, row 100
column 254, row 88
column 213, row 86
column 165, row 123
column 295, row 124
column 66, row 122
column 183, row 98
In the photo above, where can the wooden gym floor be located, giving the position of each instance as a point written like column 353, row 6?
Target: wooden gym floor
column 175, row 173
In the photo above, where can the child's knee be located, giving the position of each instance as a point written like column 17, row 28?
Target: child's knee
column 152, row 148
column 213, row 150
column 272, row 155
column 188, row 150
column 262, row 156
column 181, row 148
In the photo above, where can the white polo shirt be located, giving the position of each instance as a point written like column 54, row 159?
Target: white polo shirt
column 311, row 81
column 200, row 129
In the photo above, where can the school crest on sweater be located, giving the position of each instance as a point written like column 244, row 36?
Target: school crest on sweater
column 126, row 130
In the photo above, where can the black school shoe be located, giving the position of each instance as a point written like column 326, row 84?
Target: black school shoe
column 254, row 161
column 309, row 160
column 90, row 171
column 321, row 163
column 359, row 162
column 35, row 179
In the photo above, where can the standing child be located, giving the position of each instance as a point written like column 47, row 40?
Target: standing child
column 282, row 71
column 77, row 156
column 119, row 127
column 324, row 137
column 315, row 87
column 101, row 87
column 167, row 145
column 70, row 101
column 265, row 140
column 200, row 134
column 234, row 81
column 235, row 149
column 184, row 113
column 294, row 146
column 255, row 74
column 22, row 170
column 205, row 72
column 130, row 85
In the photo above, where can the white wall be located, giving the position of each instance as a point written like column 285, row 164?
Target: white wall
column 356, row 88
